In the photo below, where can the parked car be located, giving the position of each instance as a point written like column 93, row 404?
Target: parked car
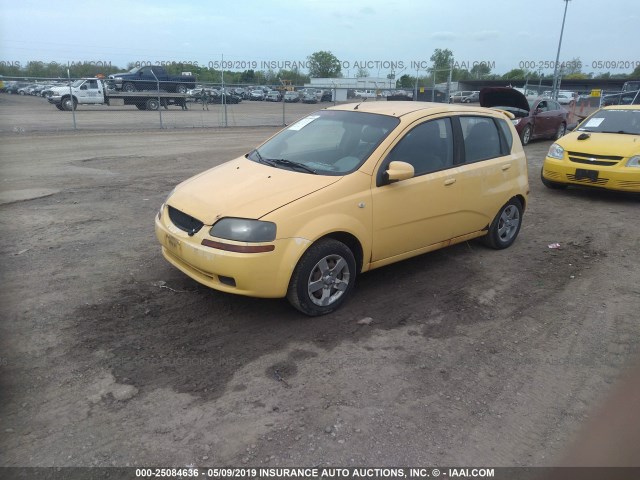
column 458, row 97
column 365, row 94
column 630, row 95
column 292, row 97
column 326, row 96
column 567, row 98
column 539, row 118
column 342, row 191
column 256, row 94
column 472, row 98
column 273, row 96
column 603, row 152
column 309, row 97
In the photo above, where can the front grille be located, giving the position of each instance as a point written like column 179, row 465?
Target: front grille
column 184, row 222
column 599, row 181
column 591, row 159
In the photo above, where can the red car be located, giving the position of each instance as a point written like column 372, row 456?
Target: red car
column 539, row 118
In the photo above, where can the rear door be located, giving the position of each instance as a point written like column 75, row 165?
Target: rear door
column 487, row 173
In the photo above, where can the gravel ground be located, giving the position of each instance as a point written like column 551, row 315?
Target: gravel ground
column 464, row 356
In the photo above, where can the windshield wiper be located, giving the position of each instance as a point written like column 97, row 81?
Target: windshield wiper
column 282, row 161
column 621, row 132
column 262, row 160
column 289, row 163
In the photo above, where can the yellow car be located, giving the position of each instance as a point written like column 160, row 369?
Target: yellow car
column 603, row 151
column 343, row 191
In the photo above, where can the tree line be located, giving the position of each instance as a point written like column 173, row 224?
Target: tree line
column 322, row 64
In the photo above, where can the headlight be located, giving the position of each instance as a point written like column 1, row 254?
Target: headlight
column 556, row 151
column 244, row 230
column 515, row 121
column 634, row 161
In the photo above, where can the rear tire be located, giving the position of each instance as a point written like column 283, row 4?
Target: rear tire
column 323, row 278
column 181, row 88
column 505, row 226
column 152, row 104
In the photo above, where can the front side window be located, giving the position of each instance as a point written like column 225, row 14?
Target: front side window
column 428, row 147
column 481, row 138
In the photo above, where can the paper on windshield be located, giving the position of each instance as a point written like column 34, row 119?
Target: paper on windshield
column 594, row 122
column 304, row 122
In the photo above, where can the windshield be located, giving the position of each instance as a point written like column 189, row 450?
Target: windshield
column 328, row 142
column 77, row 83
column 613, row 121
column 134, row 70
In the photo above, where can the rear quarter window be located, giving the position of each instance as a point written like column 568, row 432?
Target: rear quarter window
column 481, row 138
column 507, row 136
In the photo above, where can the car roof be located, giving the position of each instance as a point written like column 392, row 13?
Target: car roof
column 622, row 107
column 400, row 108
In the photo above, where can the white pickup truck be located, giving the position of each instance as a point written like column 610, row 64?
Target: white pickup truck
column 94, row 91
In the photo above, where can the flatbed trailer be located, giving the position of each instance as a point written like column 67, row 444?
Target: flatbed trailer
column 94, row 91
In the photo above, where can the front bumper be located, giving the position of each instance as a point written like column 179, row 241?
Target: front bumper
column 264, row 274
column 626, row 179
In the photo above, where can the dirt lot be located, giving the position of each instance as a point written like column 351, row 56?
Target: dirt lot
column 110, row 356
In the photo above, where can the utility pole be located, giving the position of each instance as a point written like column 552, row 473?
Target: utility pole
column 554, row 92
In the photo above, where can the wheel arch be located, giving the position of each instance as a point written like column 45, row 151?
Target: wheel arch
column 350, row 241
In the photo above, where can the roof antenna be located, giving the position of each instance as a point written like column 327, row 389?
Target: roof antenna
column 356, row 107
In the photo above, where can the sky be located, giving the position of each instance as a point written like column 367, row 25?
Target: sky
column 379, row 36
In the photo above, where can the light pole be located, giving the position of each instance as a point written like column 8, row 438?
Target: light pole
column 554, row 92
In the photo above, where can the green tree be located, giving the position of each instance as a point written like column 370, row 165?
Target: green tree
column 362, row 72
column 480, row 70
column 442, row 60
column 324, row 65
column 517, row 74
column 406, row 81
column 635, row 73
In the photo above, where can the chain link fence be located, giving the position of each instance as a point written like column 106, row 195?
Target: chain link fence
column 47, row 104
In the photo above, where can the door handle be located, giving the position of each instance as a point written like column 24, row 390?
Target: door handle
column 506, row 166
column 449, row 181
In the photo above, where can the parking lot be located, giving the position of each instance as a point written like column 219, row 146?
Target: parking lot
column 112, row 357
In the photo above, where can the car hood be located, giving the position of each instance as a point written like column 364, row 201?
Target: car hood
column 602, row 144
column 243, row 188
column 503, row 97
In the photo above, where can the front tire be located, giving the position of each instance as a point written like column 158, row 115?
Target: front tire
column 181, row 88
column 128, row 87
column 505, row 226
column 323, row 278
column 69, row 104
column 526, row 135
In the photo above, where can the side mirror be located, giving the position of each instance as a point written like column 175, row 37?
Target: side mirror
column 537, row 111
column 399, row 171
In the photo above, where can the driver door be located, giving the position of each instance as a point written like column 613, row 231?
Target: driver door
column 412, row 214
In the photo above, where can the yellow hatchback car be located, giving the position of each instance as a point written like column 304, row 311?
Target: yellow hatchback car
column 345, row 190
column 603, row 151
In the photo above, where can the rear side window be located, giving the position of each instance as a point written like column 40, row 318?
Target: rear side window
column 481, row 138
